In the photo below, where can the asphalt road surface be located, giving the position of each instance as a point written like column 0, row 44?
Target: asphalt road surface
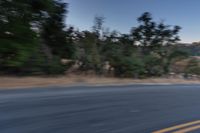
column 105, row 109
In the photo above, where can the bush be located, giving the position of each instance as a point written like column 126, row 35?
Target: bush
column 193, row 67
column 129, row 67
column 153, row 65
column 54, row 67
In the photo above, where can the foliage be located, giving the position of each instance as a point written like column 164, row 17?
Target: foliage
column 90, row 58
column 30, row 27
column 151, row 35
column 193, row 67
column 154, row 40
column 128, row 67
column 34, row 39
column 18, row 41
column 53, row 32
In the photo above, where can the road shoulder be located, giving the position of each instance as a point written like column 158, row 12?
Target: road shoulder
column 29, row 82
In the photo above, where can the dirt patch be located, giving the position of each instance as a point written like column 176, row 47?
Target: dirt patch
column 17, row 82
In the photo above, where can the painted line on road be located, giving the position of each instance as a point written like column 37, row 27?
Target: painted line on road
column 186, row 130
column 180, row 126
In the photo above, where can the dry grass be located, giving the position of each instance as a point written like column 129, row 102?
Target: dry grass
column 21, row 82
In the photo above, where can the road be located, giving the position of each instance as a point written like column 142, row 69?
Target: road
column 100, row 109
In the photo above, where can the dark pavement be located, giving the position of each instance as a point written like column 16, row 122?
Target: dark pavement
column 108, row 109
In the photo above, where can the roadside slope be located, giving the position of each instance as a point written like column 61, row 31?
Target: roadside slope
column 24, row 82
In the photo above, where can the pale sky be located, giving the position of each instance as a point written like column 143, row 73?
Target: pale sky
column 121, row 15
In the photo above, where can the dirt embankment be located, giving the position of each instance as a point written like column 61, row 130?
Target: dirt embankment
column 22, row 82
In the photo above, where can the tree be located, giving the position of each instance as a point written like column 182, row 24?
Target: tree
column 172, row 56
column 22, row 40
column 193, row 67
column 54, row 34
column 17, row 39
column 98, row 25
column 154, row 40
column 90, row 59
column 151, row 36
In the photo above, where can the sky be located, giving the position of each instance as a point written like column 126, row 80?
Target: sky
column 121, row 15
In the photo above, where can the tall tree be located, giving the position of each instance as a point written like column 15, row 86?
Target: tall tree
column 17, row 38
column 151, row 35
column 21, row 37
column 54, row 33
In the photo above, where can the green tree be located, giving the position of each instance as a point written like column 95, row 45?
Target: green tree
column 90, row 58
column 151, row 36
column 154, row 40
column 32, row 31
column 54, row 33
column 17, row 38
column 193, row 67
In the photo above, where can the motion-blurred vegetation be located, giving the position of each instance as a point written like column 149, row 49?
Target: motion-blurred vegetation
column 34, row 40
